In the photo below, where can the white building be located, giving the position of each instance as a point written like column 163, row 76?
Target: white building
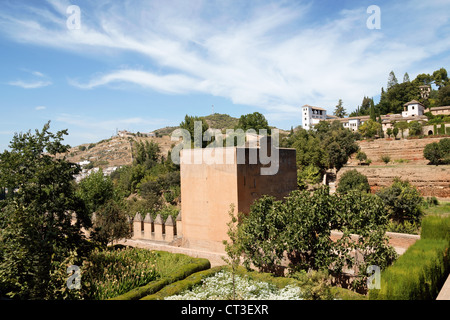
column 312, row 116
column 413, row 109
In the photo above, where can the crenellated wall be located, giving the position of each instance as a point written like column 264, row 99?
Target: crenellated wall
column 156, row 229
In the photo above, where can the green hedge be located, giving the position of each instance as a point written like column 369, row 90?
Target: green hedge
column 154, row 286
column 435, row 227
column 279, row 282
column 182, row 285
column 422, row 270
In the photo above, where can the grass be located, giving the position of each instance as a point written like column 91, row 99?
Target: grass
column 113, row 272
column 443, row 208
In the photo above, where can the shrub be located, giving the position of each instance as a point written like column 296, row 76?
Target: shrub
column 435, row 227
column 417, row 275
column 180, row 273
column 403, row 201
column 438, row 152
column 353, row 180
column 386, row 159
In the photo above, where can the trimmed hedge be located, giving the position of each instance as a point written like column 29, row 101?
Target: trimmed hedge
column 279, row 282
column 422, row 270
column 154, row 286
column 182, row 285
column 435, row 227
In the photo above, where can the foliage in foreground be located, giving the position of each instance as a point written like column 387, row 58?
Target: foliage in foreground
column 224, row 286
column 36, row 230
column 300, row 227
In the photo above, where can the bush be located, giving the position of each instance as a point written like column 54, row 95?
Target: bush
column 403, row 201
column 417, row 275
column 422, row 270
column 435, row 227
column 353, row 180
column 386, row 159
column 182, row 272
column 438, row 152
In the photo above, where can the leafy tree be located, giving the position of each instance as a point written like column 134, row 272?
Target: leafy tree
column 110, row 223
column 255, row 121
column 369, row 128
column 392, row 80
column 432, row 152
column 233, row 247
column 361, row 156
column 389, row 132
column 309, row 175
column 444, row 96
column 402, row 200
column 95, row 190
column 300, row 227
column 402, row 126
column 189, row 125
column 415, row 128
column 353, row 180
column 146, row 153
column 438, row 152
column 406, row 77
column 340, row 110
column 440, row 78
column 37, row 235
column 395, row 132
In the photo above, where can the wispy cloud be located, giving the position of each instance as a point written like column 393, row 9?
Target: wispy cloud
column 269, row 55
column 39, row 108
column 30, row 85
column 40, row 80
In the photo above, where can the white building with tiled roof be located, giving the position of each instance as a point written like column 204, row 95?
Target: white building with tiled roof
column 313, row 115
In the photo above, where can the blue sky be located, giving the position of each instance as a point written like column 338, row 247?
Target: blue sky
column 142, row 65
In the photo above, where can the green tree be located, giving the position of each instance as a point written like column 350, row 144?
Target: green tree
column 438, row 152
column 233, row 247
column 402, row 126
column 440, row 78
column 340, row 110
column 395, row 132
column 392, row 80
column 403, row 201
column 300, row 227
column 95, row 190
column 406, row 77
column 415, row 128
column 369, row 128
column 37, row 235
column 110, row 224
column 389, row 132
column 432, row 152
column 255, row 121
column 353, row 180
column 189, row 125
column 444, row 96
column 146, row 153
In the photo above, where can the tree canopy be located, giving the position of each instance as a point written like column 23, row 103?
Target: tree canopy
column 36, row 231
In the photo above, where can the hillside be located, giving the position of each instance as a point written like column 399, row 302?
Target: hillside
column 407, row 162
column 116, row 151
column 113, row 152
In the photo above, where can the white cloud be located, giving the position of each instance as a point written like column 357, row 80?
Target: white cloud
column 30, row 84
column 39, row 108
column 269, row 56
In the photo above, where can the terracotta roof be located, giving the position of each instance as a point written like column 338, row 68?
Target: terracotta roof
column 440, row 108
column 413, row 102
column 315, row 108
